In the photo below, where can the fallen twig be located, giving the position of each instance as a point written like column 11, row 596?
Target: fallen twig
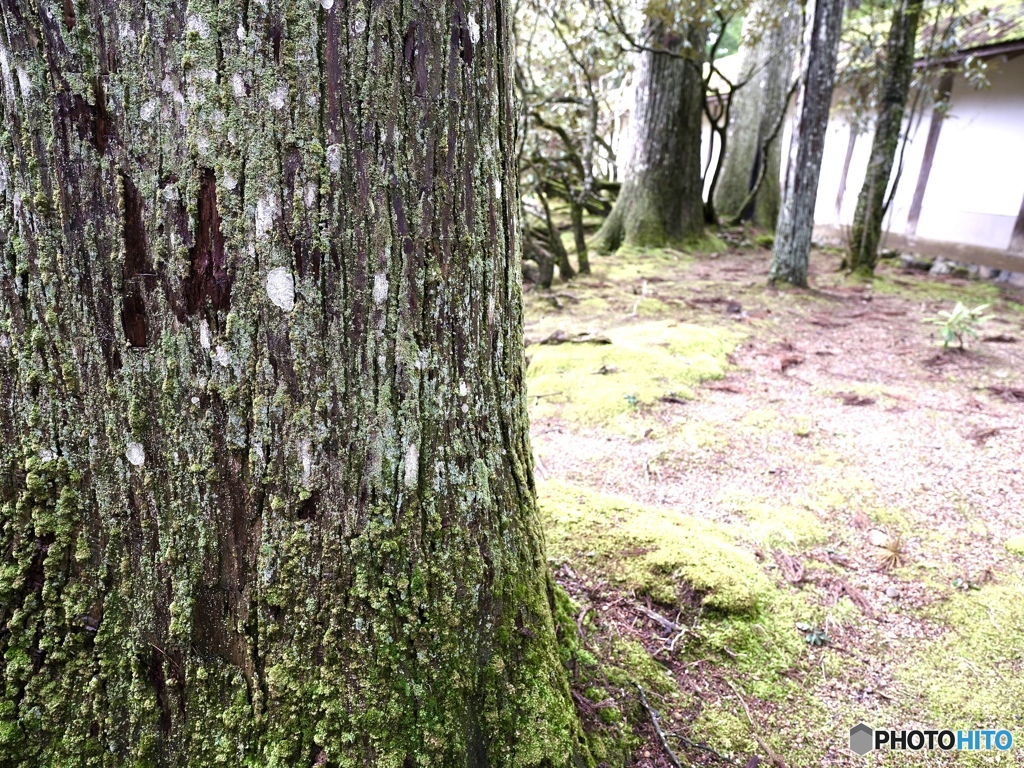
column 852, row 398
column 651, row 713
column 666, row 624
column 726, row 387
column 790, row 567
column 1010, row 394
column 777, row 761
column 674, row 399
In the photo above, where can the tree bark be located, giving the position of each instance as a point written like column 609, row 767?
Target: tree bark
column 579, row 237
column 554, row 237
column 660, row 201
column 756, row 109
column 866, row 232
column 266, row 494
column 796, row 218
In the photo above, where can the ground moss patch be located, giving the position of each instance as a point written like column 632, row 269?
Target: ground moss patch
column 776, row 525
column 973, row 675
column 644, row 363
column 1015, row 545
column 659, row 553
column 606, row 669
column 971, row 293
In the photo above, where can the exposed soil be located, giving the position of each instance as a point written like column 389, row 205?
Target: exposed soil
column 840, row 392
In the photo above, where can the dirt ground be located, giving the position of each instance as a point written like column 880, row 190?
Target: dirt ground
column 871, row 479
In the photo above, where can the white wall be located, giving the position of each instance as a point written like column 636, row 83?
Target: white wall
column 976, row 184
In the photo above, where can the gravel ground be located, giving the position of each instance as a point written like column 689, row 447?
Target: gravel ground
column 839, row 400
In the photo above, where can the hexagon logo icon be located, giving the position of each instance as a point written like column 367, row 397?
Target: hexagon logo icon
column 862, row 738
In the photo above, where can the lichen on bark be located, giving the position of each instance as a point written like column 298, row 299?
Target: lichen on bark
column 246, row 520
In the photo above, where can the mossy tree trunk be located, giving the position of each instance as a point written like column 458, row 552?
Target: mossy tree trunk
column 758, row 107
column 660, row 201
column 796, row 217
column 866, row 231
column 265, row 479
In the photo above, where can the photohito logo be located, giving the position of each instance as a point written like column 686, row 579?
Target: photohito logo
column 864, row 738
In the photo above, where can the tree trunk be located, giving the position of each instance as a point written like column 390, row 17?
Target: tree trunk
column 580, row 237
column 871, row 204
column 265, row 477
column 660, row 201
column 757, row 107
column 557, row 249
column 796, row 217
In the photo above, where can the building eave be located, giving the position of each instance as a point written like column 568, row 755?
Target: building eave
column 1008, row 48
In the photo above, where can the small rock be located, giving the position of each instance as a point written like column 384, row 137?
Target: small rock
column 892, row 592
column 910, row 262
column 878, row 538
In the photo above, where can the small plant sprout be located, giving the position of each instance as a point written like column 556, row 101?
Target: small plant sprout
column 961, row 321
column 893, row 551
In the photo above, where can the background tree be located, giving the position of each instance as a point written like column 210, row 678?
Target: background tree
column 265, row 479
column 882, row 80
column 719, row 90
column 565, row 60
column 748, row 185
column 796, row 218
column 872, row 204
column 660, row 201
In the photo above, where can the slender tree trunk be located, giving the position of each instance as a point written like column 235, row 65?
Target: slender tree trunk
column 580, row 237
column 554, row 238
column 265, row 478
column 719, row 123
column 851, row 145
column 796, row 217
column 871, row 204
column 660, row 201
column 756, row 110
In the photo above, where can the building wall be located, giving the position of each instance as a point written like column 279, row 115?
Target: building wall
column 976, row 185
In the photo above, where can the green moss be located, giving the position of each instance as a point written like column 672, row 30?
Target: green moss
column 598, row 384
column 706, row 242
column 772, row 524
column 650, row 306
column 762, row 418
column 762, row 645
column 652, row 551
column 972, row 294
column 728, row 730
column 630, row 262
column 605, row 669
column 973, row 675
column 1015, row 545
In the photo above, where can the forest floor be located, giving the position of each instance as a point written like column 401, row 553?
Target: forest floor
column 795, row 502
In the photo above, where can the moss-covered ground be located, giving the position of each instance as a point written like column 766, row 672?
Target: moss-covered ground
column 779, row 512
